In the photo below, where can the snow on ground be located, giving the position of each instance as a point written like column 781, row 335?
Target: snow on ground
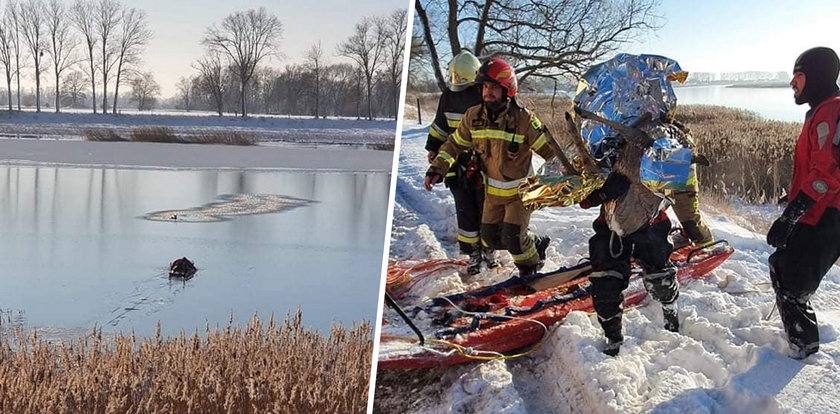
column 727, row 358
column 265, row 128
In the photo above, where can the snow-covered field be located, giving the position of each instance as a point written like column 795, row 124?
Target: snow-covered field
column 727, row 357
column 264, row 128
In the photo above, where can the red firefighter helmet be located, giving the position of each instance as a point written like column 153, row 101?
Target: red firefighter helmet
column 499, row 72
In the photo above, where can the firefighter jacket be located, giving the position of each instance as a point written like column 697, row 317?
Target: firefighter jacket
column 815, row 160
column 503, row 143
column 450, row 111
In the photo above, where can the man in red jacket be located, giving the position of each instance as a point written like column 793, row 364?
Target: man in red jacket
column 807, row 235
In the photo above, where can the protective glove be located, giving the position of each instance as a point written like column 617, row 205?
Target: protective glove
column 433, row 176
column 616, row 185
column 431, row 155
column 783, row 226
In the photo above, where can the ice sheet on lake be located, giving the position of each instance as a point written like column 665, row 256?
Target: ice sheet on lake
column 228, row 206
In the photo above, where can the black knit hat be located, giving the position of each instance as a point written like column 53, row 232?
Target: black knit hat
column 821, row 68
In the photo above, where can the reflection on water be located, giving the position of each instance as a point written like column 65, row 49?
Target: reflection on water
column 771, row 103
column 77, row 253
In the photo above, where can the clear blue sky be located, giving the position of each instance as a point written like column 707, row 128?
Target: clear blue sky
column 730, row 36
column 179, row 25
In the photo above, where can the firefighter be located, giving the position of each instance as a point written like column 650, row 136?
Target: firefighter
column 687, row 208
column 464, row 178
column 503, row 134
column 611, row 254
column 805, row 236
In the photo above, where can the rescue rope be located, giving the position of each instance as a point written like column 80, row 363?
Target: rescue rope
column 472, row 353
column 401, row 276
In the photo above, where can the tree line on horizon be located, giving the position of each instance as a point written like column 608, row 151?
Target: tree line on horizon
column 92, row 46
column 226, row 81
column 88, row 42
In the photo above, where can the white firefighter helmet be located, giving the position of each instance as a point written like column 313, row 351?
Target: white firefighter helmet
column 462, row 70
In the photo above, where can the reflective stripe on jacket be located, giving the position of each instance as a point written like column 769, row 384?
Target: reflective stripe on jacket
column 515, row 128
column 450, row 111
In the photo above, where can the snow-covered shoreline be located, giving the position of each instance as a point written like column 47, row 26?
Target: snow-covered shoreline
column 727, row 358
column 263, row 128
column 71, row 153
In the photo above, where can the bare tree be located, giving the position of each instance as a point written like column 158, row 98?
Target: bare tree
column 144, row 91
column 85, row 22
column 134, row 35
column 32, row 16
column 7, row 53
column 544, row 38
column 211, row 74
column 245, row 38
column 365, row 47
column 185, row 91
column 107, row 19
column 315, row 60
column 13, row 12
column 74, row 88
column 395, row 28
column 61, row 44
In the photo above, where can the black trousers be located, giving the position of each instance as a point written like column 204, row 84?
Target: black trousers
column 468, row 194
column 610, row 256
column 796, row 273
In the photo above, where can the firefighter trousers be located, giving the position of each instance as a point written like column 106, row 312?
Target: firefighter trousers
column 796, row 273
column 469, row 201
column 610, row 256
column 504, row 226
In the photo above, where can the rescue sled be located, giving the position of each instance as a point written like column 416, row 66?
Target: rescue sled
column 515, row 313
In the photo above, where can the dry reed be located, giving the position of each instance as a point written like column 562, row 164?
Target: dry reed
column 251, row 369
column 164, row 134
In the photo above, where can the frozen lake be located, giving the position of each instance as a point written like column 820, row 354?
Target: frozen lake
column 770, row 103
column 77, row 252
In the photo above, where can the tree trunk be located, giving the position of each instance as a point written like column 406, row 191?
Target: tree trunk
column 452, row 30
column 370, row 106
column 242, row 82
column 9, row 90
column 395, row 96
column 37, row 86
column 17, row 74
column 117, row 87
column 92, row 79
column 482, row 25
column 104, row 79
column 427, row 37
column 104, row 94
column 57, row 93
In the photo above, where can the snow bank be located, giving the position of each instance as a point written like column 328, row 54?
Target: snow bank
column 263, row 128
column 727, row 358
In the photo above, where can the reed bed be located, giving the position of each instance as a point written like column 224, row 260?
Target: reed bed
column 164, row 134
column 751, row 157
column 257, row 368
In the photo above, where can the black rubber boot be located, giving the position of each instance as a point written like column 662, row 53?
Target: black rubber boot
column 489, row 256
column 541, row 243
column 672, row 321
column 613, row 345
column 474, row 265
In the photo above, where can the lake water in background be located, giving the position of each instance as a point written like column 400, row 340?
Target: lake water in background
column 770, row 103
column 76, row 251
